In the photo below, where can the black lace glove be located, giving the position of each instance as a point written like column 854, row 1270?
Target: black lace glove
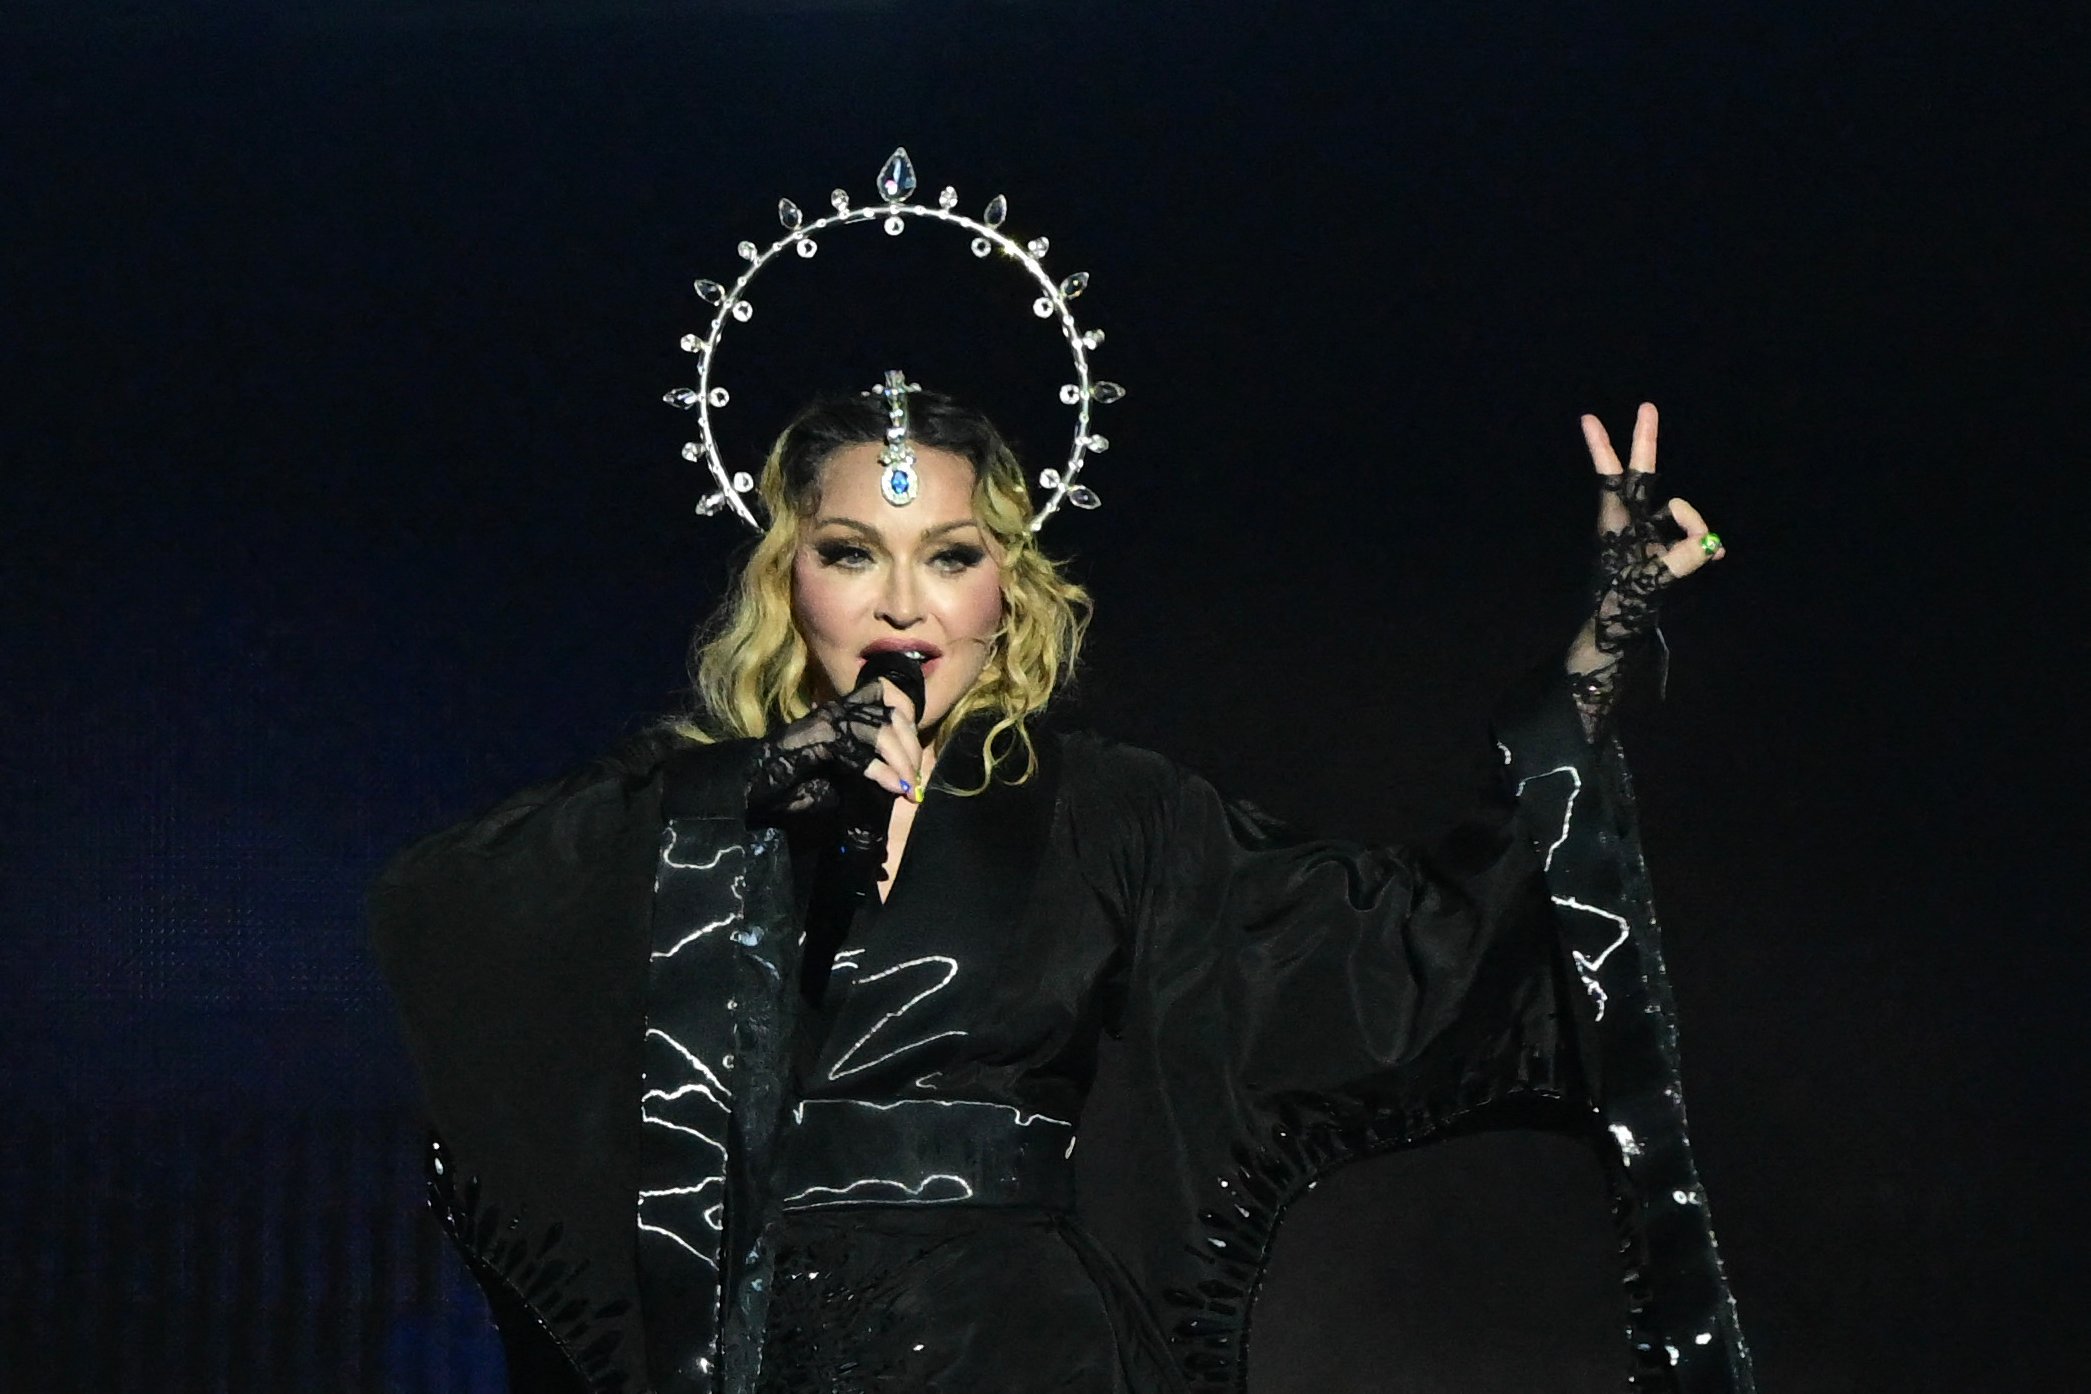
column 1642, row 549
column 798, row 769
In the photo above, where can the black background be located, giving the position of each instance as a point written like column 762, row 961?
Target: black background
column 341, row 502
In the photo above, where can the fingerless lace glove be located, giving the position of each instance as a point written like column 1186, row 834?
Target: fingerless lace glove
column 1626, row 585
column 799, row 769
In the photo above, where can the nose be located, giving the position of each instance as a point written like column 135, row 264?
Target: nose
column 900, row 606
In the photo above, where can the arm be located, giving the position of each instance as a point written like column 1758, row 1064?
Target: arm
column 1637, row 560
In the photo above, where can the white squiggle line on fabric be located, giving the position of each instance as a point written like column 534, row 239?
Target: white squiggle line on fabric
column 695, row 1252
column 1568, row 812
column 693, row 936
column 668, row 856
column 836, row 1071
column 965, row 1189
column 691, row 1056
column 680, row 1090
column 674, row 1127
column 710, row 1215
column 1506, row 751
column 1587, row 967
column 1023, row 1119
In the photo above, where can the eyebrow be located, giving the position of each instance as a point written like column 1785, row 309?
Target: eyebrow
column 869, row 531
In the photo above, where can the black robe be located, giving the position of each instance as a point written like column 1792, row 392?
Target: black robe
column 669, row 1173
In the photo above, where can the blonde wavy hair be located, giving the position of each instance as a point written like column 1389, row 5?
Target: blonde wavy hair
column 749, row 667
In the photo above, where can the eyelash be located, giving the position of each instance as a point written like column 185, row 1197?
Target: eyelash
column 851, row 556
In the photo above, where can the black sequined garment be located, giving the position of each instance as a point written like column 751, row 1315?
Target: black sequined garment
column 758, row 1192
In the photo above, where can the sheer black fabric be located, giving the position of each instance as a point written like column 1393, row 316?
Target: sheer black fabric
column 1627, row 582
column 800, row 769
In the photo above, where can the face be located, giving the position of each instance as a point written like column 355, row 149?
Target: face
column 869, row 575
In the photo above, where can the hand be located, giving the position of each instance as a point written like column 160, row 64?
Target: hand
column 868, row 734
column 1636, row 562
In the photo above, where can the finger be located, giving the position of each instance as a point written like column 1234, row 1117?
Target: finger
column 1643, row 457
column 1602, row 455
column 1683, row 558
column 880, row 703
column 903, row 726
column 896, row 754
column 886, row 777
column 1612, row 515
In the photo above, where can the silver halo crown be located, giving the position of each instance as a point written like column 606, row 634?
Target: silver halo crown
column 896, row 185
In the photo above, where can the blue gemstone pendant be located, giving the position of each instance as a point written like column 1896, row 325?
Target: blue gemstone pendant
column 899, row 482
column 898, row 479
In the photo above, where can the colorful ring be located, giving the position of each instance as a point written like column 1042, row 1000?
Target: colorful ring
column 1710, row 543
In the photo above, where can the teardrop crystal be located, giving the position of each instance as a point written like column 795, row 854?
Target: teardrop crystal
column 1042, row 307
column 897, row 179
column 894, row 225
column 720, row 397
column 693, row 343
column 1039, row 246
column 808, row 247
column 1093, row 339
column 839, row 200
column 749, row 251
column 1070, row 393
column 712, row 291
column 997, row 210
column 1074, row 285
column 680, row 397
column 692, row 451
column 1098, row 444
column 948, row 199
column 743, row 311
column 788, row 214
column 742, row 481
column 981, row 246
column 710, row 504
column 1049, row 479
column 1106, row 392
column 1082, row 496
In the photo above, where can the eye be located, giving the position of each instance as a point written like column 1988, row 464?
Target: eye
column 959, row 556
column 851, row 556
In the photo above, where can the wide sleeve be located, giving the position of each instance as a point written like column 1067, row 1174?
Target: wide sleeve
column 515, row 948
column 1298, row 1002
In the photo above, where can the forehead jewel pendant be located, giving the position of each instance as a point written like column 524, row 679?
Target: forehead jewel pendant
column 899, row 480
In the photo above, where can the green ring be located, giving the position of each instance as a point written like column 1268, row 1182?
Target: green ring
column 1710, row 543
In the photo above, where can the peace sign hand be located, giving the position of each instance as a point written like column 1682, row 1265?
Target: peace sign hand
column 1641, row 551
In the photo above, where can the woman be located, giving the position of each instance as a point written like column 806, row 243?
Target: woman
column 719, row 1105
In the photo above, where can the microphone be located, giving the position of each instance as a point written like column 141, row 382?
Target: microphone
column 898, row 667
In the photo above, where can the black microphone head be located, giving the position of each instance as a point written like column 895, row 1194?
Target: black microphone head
column 901, row 669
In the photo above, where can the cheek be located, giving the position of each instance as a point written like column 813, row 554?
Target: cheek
column 976, row 608
column 819, row 605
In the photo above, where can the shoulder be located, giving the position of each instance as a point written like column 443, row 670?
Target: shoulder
column 585, row 833
column 1129, row 786
column 614, row 777
column 1092, row 759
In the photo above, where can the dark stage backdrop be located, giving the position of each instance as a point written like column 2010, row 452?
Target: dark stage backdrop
column 340, row 502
